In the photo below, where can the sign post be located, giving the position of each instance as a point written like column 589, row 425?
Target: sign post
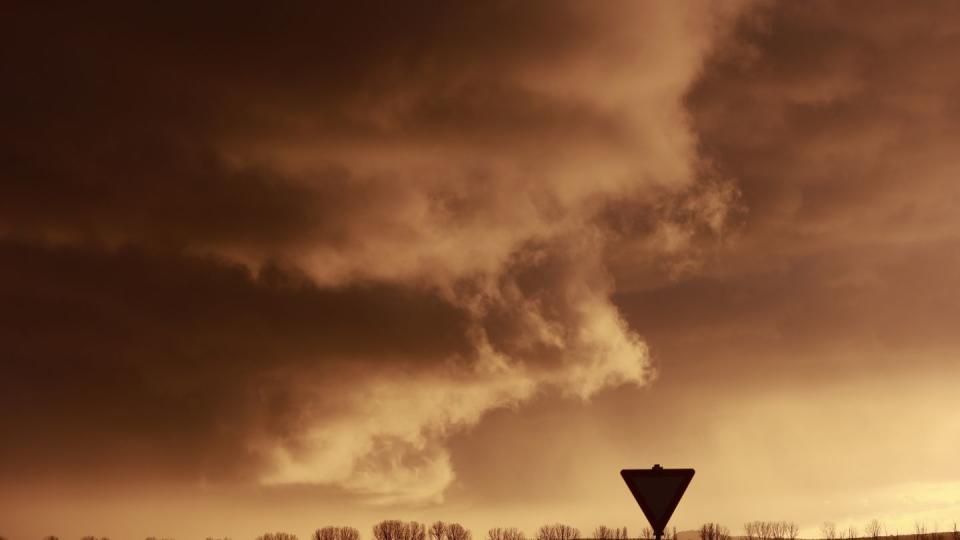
column 657, row 491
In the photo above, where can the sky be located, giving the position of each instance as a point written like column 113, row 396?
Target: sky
column 276, row 267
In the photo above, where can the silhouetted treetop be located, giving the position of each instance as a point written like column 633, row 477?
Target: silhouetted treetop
column 456, row 531
column 714, row 531
column 277, row 536
column 336, row 533
column 602, row 532
column 771, row 530
column 394, row 529
column 511, row 533
column 557, row 531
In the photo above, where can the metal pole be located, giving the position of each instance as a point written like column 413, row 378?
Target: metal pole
column 658, row 534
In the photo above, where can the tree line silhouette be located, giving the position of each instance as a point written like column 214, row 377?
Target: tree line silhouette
column 394, row 529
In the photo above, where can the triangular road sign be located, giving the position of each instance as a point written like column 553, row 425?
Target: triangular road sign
column 657, row 491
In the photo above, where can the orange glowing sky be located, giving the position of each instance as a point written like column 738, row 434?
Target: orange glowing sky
column 274, row 268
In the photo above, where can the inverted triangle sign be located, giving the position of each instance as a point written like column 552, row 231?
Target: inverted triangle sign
column 657, row 491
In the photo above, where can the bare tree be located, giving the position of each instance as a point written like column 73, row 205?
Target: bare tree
column 389, row 529
column 456, row 531
column 602, row 532
column 277, row 536
column 566, row 532
column 394, row 529
column 437, row 531
column 336, row 533
column 326, row 533
column 873, row 529
column 956, row 533
column 714, row 531
column 852, row 532
column 646, row 533
column 557, row 531
column 514, row 533
column 781, row 530
column 511, row 533
column 828, row 530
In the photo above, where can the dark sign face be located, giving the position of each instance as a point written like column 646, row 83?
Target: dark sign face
column 657, row 491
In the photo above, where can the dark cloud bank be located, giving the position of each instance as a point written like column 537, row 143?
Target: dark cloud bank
column 306, row 244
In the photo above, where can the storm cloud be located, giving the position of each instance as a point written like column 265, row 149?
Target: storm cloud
column 262, row 267
column 306, row 245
